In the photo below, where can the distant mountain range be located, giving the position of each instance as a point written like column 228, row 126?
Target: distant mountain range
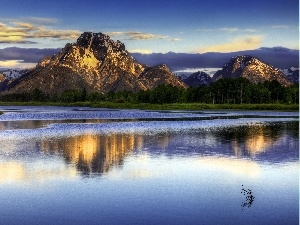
column 245, row 66
column 99, row 64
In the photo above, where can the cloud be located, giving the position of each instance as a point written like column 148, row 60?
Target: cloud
column 28, row 26
column 234, row 29
column 26, row 55
column 135, row 35
column 56, row 34
column 279, row 57
column 175, row 39
column 41, row 20
column 141, row 36
column 15, row 40
column 209, row 71
column 250, row 30
column 13, row 64
column 205, row 30
column 23, row 32
column 280, row 27
column 238, row 44
column 230, row 30
column 142, row 51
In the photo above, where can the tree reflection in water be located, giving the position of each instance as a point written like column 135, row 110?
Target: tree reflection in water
column 252, row 140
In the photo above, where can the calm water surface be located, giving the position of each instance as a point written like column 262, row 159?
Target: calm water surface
column 98, row 166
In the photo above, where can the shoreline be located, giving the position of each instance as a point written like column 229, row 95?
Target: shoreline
column 170, row 106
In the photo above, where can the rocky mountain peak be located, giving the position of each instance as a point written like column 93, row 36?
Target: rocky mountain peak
column 163, row 67
column 100, row 42
column 161, row 74
column 239, row 62
column 253, row 69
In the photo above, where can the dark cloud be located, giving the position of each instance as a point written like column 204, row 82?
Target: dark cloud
column 18, row 42
column 279, row 57
column 28, row 55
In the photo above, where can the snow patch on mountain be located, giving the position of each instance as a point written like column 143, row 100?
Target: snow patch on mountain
column 12, row 74
column 289, row 71
column 292, row 74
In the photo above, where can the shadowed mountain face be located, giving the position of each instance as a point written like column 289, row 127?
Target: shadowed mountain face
column 197, row 79
column 252, row 69
column 98, row 64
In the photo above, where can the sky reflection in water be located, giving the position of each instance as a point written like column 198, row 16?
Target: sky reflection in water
column 149, row 172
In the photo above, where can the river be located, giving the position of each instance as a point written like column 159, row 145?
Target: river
column 77, row 165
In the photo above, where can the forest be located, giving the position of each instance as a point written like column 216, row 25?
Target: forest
column 223, row 91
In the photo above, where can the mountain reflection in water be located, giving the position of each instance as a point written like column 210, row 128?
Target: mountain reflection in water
column 96, row 154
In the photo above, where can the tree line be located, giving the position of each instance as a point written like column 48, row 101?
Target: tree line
column 223, row 91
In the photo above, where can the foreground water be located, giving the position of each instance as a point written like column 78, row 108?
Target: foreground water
column 96, row 166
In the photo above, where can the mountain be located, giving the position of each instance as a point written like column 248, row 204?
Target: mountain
column 9, row 75
column 292, row 74
column 12, row 74
column 253, row 69
column 157, row 75
column 98, row 64
column 3, row 82
column 196, row 79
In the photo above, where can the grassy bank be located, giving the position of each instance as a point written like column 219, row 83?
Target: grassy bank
column 173, row 106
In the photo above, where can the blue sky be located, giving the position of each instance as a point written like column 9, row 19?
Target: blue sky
column 190, row 26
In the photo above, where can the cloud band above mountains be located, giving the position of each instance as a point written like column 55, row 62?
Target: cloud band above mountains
column 26, row 55
column 277, row 56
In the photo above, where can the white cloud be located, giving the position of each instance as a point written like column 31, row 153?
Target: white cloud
column 280, row 27
column 204, row 30
column 209, row 71
column 143, row 51
column 251, row 30
column 229, row 30
column 234, row 29
column 237, row 44
column 135, row 35
column 16, row 64
column 23, row 32
column 175, row 39
column 41, row 20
